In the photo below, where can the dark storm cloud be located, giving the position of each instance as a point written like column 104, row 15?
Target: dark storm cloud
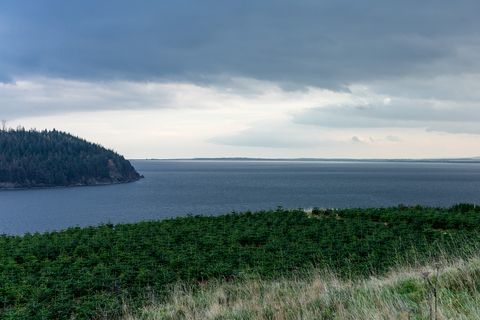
column 296, row 43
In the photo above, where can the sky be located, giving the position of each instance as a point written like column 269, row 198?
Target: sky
column 250, row 78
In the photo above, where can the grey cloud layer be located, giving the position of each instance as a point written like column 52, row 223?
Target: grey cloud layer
column 323, row 43
column 41, row 97
column 434, row 116
column 424, row 55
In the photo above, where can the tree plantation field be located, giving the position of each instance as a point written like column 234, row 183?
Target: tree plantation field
column 90, row 272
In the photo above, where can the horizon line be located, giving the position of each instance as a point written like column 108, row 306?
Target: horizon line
column 445, row 159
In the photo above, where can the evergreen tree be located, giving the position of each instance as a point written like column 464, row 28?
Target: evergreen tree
column 30, row 158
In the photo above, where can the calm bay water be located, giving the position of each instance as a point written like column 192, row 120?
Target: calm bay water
column 177, row 188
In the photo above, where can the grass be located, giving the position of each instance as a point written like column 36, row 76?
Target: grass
column 442, row 290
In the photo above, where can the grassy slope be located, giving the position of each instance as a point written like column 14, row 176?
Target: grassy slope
column 407, row 293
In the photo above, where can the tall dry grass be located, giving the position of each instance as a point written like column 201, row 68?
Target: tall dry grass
column 443, row 290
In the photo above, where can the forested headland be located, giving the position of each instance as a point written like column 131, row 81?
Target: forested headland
column 30, row 159
column 85, row 273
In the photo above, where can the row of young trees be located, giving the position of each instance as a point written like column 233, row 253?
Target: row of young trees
column 87, row 273
column 30, row 158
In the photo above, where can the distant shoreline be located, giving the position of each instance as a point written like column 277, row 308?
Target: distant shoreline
column 439, row 160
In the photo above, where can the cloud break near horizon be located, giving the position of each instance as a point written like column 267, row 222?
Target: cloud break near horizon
column 170, row 79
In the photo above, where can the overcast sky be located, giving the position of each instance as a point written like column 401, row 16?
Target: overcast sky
column 260, row 78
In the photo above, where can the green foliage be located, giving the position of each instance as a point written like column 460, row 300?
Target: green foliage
column 411, row 288
column 88, row 272
column 54, row 158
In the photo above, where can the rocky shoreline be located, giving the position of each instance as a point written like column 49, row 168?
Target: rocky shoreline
column 9, row 186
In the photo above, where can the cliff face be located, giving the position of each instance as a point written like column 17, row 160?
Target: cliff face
column 118, row 175
column 30, row 159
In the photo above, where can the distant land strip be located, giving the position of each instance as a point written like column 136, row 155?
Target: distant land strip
column 429, row 160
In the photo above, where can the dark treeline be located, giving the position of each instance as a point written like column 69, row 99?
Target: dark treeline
column 30, row 158
column 86, row 273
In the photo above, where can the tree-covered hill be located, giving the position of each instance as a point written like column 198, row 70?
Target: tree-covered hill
column 30, row 158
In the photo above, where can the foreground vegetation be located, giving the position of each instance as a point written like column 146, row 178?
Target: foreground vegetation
column 444, row 290
column 91, row 272
column 53, row 158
